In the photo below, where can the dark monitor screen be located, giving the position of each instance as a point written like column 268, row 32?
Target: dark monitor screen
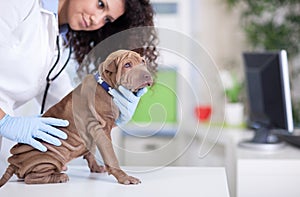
column 267, row 82
column 268, row 88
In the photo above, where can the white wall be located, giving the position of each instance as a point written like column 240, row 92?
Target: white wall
column 218, row 29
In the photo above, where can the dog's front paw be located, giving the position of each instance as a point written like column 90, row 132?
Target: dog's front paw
column 127, row 180
column 122, row 177
column 97, row 168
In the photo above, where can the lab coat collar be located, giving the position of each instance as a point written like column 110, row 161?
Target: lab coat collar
column 50, row 5
column 63, row 30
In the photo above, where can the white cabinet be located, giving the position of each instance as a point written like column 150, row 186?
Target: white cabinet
column 149, row 151
column 261, row 174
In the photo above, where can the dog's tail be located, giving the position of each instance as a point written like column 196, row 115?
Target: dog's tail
column 7, row 175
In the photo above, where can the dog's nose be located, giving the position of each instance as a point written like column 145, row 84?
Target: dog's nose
column 148, row 78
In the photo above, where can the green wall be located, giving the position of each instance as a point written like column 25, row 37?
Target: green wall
column 159, row 104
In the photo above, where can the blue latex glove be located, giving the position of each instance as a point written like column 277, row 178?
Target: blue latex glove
column 26, row 129
column 126, row 102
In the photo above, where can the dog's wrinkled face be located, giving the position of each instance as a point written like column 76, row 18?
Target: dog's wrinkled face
column 126, row 68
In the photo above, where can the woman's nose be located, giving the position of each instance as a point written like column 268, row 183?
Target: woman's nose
column 97, row 21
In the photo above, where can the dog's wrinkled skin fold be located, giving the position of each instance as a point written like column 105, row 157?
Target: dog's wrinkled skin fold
column 91, row 113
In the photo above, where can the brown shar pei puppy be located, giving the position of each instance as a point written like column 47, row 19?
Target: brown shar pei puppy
column 91, row 113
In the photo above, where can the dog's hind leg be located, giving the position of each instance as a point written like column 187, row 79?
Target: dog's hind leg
column 46, row 177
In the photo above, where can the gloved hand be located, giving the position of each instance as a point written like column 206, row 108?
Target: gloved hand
column 26, row 129
column 126, row 102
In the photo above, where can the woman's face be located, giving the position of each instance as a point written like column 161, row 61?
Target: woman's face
column 88, row 15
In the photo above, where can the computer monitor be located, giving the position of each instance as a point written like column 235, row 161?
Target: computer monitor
column 269, row 98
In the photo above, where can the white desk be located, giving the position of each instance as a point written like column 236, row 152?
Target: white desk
column 253, row 172
column 167, row 181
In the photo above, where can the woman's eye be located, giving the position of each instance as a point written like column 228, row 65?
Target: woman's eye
column 127, row 65
column 100, row 4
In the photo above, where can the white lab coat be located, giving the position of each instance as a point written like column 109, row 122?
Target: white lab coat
column 27, row 52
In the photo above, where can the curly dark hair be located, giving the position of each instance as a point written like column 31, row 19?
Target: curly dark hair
column 138, row 13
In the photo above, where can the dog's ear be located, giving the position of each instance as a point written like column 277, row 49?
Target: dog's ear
column 110, row 66
column 112, row 61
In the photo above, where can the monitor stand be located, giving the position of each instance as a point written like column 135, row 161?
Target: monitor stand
column 263, row 140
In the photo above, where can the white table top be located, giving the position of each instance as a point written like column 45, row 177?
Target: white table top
column 166, row 181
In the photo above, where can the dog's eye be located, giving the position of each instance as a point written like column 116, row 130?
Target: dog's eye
column 127, row 65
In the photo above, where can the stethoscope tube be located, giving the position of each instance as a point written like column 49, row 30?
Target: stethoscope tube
column 50, row 80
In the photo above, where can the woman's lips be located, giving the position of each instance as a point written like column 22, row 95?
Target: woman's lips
column 85, row 24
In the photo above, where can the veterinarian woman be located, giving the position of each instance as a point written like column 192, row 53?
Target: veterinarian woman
column 30, row 33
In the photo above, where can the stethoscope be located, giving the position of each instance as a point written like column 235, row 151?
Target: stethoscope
column 50, row 80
